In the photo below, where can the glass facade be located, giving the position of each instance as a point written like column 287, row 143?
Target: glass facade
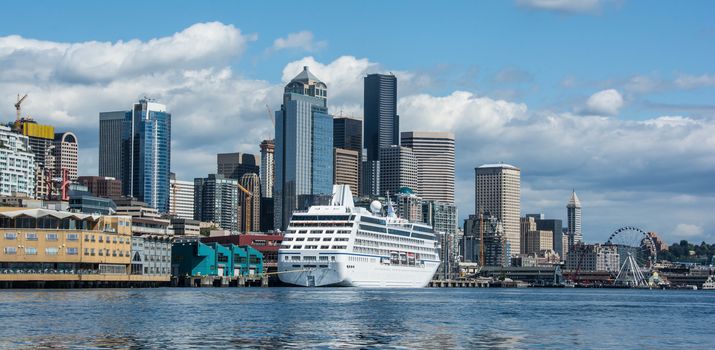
column 303, row 146
column 146, row 154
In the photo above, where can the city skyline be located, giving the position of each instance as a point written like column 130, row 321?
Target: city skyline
column 635, row 141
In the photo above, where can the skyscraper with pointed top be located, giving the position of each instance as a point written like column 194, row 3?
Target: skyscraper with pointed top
column 573, row 213
column 303, row 146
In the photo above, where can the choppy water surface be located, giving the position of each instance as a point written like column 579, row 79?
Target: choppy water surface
column 356, row 318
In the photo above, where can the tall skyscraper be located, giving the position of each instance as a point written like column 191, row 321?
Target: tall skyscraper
column 382, row 124
column 268, row 168
column 181, row 198
column 573, row 213
column 435, row 163
column 250, row 212
column 498, row 191
column 137, row 151
column 555, row 226
column 17, row 164
column 235, row 165
column 216, row 200
column 303, row 146
column 398, row 168
column 111, row 125
column 65, row 154
column 346, row 168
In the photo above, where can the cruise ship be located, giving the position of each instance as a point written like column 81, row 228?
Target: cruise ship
column 343, row 245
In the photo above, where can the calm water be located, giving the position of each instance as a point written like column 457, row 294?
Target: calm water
column 356, row 318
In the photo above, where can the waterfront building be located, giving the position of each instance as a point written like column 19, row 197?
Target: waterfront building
column 346, row 168
column 83, row 201
column 267, row 214
column 498, row 191
column 266, row 244
column 17, row 164
column 592, row 258
column 49, row 246
column 145, row 219
column 181, row 198
column 235, row 165
column 267, row 169
column 398, row 168
column 471, row 245
column 151, row 255
column 303, row 147
column 216, row 200
column 250, row 206
column 191, row 257
column 489, row 244
column 533, row 240
column 102, row 186
column 65, row 154
column 41, row 143
column 435, row 163
column 573, row 214
column 136, row 149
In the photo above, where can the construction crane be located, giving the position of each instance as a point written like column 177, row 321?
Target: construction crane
column 18, row 104
column 248, row 205
column 270, row 116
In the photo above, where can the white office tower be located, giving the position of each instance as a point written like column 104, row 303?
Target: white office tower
column 573, row 213
column 343, row 245
column 498, row 192
column 181, row 199
column 435, row 163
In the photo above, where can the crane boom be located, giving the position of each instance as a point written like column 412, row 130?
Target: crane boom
column 270, row 116
column 18, row 105
column 248, row 205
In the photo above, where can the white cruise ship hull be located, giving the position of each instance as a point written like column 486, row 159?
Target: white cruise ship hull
column 358, row 274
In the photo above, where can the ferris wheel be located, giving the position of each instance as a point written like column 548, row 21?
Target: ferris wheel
column 636, row 253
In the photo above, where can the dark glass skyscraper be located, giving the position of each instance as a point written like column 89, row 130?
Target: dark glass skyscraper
column 303, row 146
column 347, row 134
column 144, row 154
column 382, row 124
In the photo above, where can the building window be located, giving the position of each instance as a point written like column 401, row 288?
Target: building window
column 72, row 237
column 10, row 235
column 31, row 236
column 51, row 251
column 30, row 251
column 51, row 237
column 10, row 250
column 72, row 251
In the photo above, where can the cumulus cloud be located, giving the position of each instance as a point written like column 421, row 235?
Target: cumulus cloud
column 687, row 230
column 626, row 171
column 605, row 102
column 303, row 40
column 563, row 6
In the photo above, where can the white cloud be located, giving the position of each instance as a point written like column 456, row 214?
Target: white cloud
column 93, row 62
column 627, row 170
column 605, row 102
column 687, row 230
column 301, row 40
column 695, row 81
column 565, row 6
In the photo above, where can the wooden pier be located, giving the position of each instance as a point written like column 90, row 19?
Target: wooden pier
column 471, row 283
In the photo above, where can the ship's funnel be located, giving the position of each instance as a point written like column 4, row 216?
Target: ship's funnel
column 342, row 196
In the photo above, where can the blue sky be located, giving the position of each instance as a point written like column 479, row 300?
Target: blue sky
column 615, row 98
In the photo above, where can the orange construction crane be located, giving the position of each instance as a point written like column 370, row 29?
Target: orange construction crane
column 248, row 205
